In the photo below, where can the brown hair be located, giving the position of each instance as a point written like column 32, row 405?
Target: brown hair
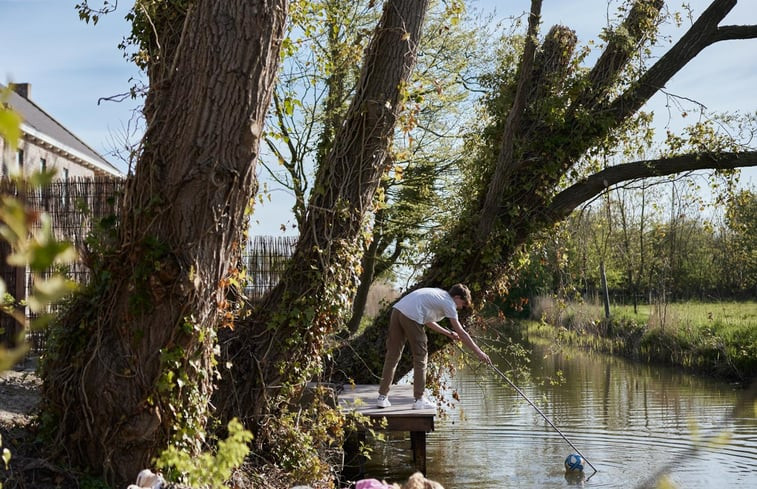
column 461, row 291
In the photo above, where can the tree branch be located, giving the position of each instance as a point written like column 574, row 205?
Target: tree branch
column 734, row 32
column 618, row 52
column 385, row 263
column 701, row 34
column 505, row 164
column 567, row 200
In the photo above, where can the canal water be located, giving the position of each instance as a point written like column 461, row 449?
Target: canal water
column 634, row 423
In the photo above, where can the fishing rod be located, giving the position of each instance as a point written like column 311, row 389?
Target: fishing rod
column 524, row 396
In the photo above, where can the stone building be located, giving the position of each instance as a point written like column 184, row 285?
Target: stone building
column 46, row 144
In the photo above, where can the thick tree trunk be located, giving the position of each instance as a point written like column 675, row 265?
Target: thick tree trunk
column 132, row 368
column 276, row 351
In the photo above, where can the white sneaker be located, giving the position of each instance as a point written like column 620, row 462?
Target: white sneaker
column 382, row 402
column 423, row 403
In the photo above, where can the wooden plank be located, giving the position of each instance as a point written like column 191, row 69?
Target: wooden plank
column 409, row 423
column 361, row 398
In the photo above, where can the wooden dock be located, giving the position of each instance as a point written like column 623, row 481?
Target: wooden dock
column 400, row 416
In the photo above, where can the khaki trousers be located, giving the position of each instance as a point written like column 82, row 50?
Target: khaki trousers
column 402, row 328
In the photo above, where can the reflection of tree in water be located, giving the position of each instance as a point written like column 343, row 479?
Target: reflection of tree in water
column 640, row 425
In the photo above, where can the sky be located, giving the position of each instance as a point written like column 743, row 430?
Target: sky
column 71, row 65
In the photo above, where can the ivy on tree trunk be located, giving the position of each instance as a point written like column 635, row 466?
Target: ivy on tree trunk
column 131, row 363
column 278, row 348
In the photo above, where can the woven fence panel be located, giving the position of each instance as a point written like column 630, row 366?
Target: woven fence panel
column 265, row 259
column 74, row 206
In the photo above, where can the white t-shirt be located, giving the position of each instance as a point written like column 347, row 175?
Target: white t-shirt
column 427, row 305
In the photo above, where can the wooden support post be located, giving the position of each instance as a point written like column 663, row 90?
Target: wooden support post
column 418, row 445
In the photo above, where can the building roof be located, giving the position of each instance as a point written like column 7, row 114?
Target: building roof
column 43, row 129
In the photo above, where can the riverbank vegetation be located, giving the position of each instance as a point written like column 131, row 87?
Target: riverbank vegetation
column 717, row 338
column 652, row 273
column 658, row 243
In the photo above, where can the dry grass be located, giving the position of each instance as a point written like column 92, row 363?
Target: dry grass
column 379, row 296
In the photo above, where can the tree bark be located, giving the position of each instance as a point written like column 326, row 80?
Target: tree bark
column 278, row 349
column 367, row 274
column 132, row 368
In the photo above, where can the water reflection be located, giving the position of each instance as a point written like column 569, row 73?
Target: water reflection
column 633, row 422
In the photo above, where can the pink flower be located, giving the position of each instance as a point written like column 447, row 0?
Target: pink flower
column 371, row 484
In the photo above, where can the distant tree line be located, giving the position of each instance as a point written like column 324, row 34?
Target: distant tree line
column 652, row 248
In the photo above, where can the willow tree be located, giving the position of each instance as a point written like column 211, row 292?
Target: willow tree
column 317, row 82
column 545, row 119
column 273, row 353
column 413, row 198
column 130, row 365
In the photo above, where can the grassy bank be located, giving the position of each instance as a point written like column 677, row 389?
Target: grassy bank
column 718, row 338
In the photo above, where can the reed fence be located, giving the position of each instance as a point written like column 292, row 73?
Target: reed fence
column 74, row 206
column 265, row 258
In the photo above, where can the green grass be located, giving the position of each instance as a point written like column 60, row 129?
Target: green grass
column 693, row 315
column 718, row 337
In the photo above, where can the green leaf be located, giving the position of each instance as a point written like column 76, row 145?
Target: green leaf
column 14, row 218
column 42, row 178
column 288, row 106
column 9, row 358
column 10, row 121
column 6, row 457
column 48, row 291
column 10, row 127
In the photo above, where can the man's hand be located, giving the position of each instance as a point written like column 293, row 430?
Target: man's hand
column 485, row 358
column 454, row 336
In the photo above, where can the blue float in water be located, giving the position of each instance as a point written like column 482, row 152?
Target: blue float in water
column 574, row 463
